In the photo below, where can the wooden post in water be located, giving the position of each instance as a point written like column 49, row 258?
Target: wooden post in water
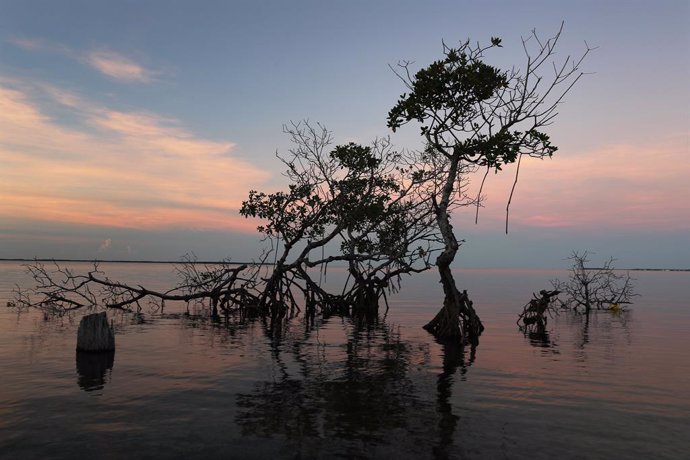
column 95, row 334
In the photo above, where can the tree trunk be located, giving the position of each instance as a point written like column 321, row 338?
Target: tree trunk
column 457, row 320
column 446, row 323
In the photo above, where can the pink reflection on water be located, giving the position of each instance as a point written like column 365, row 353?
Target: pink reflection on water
column 632, row 365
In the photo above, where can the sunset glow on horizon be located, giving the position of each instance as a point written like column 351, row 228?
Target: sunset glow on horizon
column 142, row 120
column 117, row 169
column 595, row 189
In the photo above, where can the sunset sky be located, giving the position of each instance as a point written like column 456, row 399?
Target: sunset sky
column 134, row 129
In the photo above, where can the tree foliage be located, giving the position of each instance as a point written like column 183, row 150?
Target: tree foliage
column 473, row 115
column 363, row 206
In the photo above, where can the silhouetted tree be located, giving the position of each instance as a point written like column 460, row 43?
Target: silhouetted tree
column 361, row 206
column 476, row 116
column 590, row 287
column 364, row 207
column 380, row 212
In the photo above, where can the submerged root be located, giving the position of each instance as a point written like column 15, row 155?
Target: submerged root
column 456, row 321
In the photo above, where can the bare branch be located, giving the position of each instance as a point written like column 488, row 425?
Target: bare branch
column 595, row 288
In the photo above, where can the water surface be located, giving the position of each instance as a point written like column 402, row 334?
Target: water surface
column 181, row 386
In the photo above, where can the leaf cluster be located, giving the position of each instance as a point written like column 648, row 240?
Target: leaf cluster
column 354, row 196
column 455, row 85
column 474, row 112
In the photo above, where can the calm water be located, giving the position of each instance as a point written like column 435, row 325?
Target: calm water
column 178, row 386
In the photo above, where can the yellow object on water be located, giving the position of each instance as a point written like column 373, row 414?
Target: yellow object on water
column 614, row 307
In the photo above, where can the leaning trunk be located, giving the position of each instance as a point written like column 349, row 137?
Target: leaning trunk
column 446, row 323
column 457, row 320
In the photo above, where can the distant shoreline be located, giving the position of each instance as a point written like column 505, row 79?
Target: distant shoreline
column 209, row 262
column 651, row 269
column 203, row 262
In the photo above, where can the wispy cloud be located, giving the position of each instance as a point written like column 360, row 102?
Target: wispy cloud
column 142, row 170
column 119, row 67
column 114, row 168
column 32, row 44
column 612, row 187
column 112, row 64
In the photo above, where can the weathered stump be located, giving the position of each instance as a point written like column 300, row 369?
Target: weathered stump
column 95, row 334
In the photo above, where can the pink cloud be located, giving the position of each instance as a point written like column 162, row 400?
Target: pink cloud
column 119, row 67
column 31, row 44
column 612, row 187
column 134, row 170
column 110, row 63
column 154, row 133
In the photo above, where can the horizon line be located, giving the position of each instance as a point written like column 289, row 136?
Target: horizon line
column 218, row 262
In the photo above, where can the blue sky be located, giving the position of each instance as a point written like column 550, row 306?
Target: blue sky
column 135, row 129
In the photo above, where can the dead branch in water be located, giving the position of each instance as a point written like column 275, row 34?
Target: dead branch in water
column 534, row 313
column 60, row 290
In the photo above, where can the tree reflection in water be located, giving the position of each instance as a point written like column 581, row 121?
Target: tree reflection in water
column 539, row 336
column 601, row 326
column 359, row 398
column 605, row 325
column 453, row 359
